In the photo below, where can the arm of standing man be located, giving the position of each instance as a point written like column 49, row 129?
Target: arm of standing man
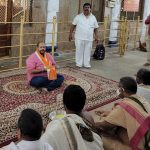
column 71, row 31
column 96, row 35
column 73, row 26
column 96, row 26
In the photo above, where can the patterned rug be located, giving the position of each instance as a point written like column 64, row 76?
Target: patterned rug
column 16, row 95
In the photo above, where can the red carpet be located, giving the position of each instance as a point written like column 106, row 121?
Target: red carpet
column 16, row 95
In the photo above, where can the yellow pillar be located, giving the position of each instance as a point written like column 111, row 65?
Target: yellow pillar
column 53, row 34
column 123, row 32
column 136, row 31
column 105, row 30
column 21, row 42
column 6, row 10
column 124, row 35
column 121, row 35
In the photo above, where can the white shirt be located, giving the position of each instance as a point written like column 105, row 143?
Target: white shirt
column 85, row 26
column 28, row 145
column 58, row 136
column 144, row 90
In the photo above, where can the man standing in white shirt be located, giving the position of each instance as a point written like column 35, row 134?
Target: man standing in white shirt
column 86, row 25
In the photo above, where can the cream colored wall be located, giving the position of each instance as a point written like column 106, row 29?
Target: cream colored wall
column 68, row 9
column 73, row 9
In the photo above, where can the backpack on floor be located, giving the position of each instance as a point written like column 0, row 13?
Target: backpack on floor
column 99, row 52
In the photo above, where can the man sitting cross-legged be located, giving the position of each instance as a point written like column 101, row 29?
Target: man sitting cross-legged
column 30, row 128
column 41, row 70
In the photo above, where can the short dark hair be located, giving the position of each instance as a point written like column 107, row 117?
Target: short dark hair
column 129, row 85
column 87, row 4
column 30, row 124
column 144, row 76
column 74, row 98
column 38, row 43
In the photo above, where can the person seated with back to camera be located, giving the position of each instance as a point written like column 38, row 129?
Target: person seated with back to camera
column 143, row 81
column 30, row 127
column 71, row 132
column 143, row 90
column 128, row 132
column 41, row 70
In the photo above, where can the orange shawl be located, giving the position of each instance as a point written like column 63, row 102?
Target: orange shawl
column 51, row 70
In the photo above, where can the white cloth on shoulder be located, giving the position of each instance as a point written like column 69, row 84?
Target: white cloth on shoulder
column 58, row 136
column 144, row 90
column 28, row 145
column 144, row 101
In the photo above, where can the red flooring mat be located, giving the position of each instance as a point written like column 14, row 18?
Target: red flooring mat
column 16, row 95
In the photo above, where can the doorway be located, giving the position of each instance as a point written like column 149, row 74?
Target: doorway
column 132, row 15
column 5, row 28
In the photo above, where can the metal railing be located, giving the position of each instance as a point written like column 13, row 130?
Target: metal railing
column 122, row 36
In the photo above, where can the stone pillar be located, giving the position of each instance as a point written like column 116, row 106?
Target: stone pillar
column 115, row 15
column 145, row 15
column 52, row 9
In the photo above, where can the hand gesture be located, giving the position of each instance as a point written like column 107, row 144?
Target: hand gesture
column 102, row 113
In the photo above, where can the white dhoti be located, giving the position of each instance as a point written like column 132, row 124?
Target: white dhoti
column 83, row 52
